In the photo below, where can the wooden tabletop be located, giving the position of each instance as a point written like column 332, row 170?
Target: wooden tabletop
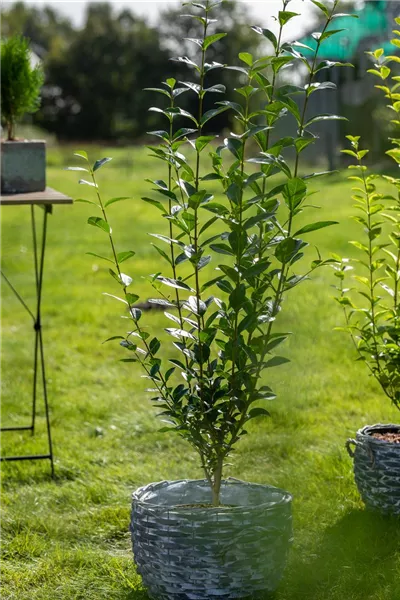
column 48, row 196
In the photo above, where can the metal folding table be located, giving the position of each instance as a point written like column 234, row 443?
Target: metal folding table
column 45, row 200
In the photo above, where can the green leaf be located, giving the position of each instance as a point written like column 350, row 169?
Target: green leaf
column 100, row 256
column 302, row 143
column 185, row 113
column 155, row 203
column 175, row 283
column 287, row 249
column 163, row 254
column 87, row 201
column 210, row 283
column 100, row 163
column 294, row 192
column 217, row 88
column 99, row 222
column 243, row 70
column 222, row 249
column 246, row 57
column 158, row 90
column 136, row 314
column 202, row 141
column 262, row 216
column 164, row 238
column 186, row 61
column 114, row 337
column 122, row 256
column 132, row 298
column 292, row 107
column 179, row 333
column 114, row 275
column 115, row 298
column 85, row 182
column 327, row 34
column 234, row 193
column 267, row 33
column 285, row 16
column 342, row 15
column 197, row 306
column 76, row 169
column 330, row 33
column 258, row 412
column 321, row 7
column 154, row 346
column 81, row 154
column 211, row 39
column 237, row 297
column 279, row 62
column 125, row 280
column 183, row 132
column 318, row 118
column 211, row 113
column 215, row 207
column 235, row 146
column 276, row 361
column 315, row 226
column 119, row 199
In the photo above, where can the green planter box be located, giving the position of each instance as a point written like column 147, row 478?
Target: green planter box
column 23, row 166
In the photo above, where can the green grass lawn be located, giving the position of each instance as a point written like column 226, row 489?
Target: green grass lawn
column 68, row 539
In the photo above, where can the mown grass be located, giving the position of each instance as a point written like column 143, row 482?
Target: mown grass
column 68, row 538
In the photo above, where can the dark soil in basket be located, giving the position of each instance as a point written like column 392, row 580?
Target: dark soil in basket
column 393, row 438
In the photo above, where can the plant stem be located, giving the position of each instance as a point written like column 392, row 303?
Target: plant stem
column 371, row 272
column 172, row 251
column 196, row 221
column 10, row 130
column 240, row 250
column 216, row 482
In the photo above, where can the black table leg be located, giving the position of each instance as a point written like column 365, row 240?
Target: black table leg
column 39, row 358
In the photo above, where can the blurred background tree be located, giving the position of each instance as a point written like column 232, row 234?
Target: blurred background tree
column 95, row 75
column 100, row 79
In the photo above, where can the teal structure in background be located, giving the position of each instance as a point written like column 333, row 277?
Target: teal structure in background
column 355, row 96
column 375, row 20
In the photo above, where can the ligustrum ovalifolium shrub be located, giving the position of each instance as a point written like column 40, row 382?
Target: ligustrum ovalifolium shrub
column 230, row 241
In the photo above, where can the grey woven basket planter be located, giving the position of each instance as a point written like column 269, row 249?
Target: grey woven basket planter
column 377, row 468
column 188, row 553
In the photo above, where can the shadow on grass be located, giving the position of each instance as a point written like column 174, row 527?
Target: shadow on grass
column 25, row 474
column 357, row 558
column 136, row 595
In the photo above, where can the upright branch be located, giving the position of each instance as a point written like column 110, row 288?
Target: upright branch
column 372, row 314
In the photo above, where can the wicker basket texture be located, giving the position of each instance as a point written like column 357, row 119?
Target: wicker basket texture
column 184, row 552
column 377, row 468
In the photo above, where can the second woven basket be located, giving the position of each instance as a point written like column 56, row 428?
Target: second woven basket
column 377, row 468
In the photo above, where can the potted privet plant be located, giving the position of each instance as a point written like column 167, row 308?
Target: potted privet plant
column 217, row 537
column 23, row 162
column 372, row 309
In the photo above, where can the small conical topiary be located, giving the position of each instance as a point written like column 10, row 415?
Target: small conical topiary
column 20, row 82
